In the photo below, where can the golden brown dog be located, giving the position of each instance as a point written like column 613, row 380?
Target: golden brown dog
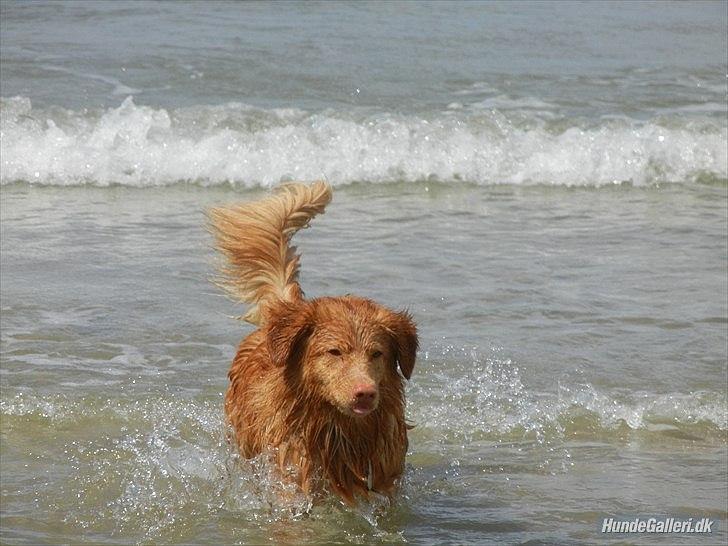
column 318, row 383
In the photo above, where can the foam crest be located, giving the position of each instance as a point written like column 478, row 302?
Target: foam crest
column 495, row 143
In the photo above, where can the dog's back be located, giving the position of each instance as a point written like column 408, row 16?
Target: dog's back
column 319, row 383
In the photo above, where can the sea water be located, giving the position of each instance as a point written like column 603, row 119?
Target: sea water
column 543, row 185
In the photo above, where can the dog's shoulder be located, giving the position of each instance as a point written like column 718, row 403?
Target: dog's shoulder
column 252, row 358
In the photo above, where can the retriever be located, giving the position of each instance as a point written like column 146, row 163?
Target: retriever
column 320, row 383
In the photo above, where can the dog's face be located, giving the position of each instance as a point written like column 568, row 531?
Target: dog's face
column 345, row 349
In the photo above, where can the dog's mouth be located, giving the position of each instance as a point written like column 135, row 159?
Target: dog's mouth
column 362, row 408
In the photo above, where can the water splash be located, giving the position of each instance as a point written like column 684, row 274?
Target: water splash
column 158, row 467
column 490, row 400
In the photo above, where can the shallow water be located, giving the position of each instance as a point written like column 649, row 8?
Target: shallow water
column 545, row 188
column 571, row 366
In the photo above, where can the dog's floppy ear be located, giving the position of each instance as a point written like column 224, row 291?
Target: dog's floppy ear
column 404, row 335
column 287, row 329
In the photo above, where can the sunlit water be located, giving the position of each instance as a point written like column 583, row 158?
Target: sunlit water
column 550, row 205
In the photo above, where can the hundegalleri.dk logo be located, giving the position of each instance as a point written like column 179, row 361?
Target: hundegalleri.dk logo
column 658, row 525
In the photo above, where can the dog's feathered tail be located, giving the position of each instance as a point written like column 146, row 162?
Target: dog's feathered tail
column 254, row 237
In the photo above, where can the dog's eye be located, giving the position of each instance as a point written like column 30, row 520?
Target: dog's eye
column 335, row 352
column 376, row 354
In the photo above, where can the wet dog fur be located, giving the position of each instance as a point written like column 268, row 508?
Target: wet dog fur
column 320, row 383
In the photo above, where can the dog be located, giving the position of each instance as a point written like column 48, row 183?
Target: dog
column 319, row 385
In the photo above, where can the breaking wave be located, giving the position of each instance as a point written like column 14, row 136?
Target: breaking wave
column 237, row 144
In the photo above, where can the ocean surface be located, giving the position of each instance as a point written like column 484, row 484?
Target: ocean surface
column 544, row 185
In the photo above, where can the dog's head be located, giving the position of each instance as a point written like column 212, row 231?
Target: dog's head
column 348, row 350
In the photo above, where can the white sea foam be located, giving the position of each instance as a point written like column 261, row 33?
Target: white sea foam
column 234, row 143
